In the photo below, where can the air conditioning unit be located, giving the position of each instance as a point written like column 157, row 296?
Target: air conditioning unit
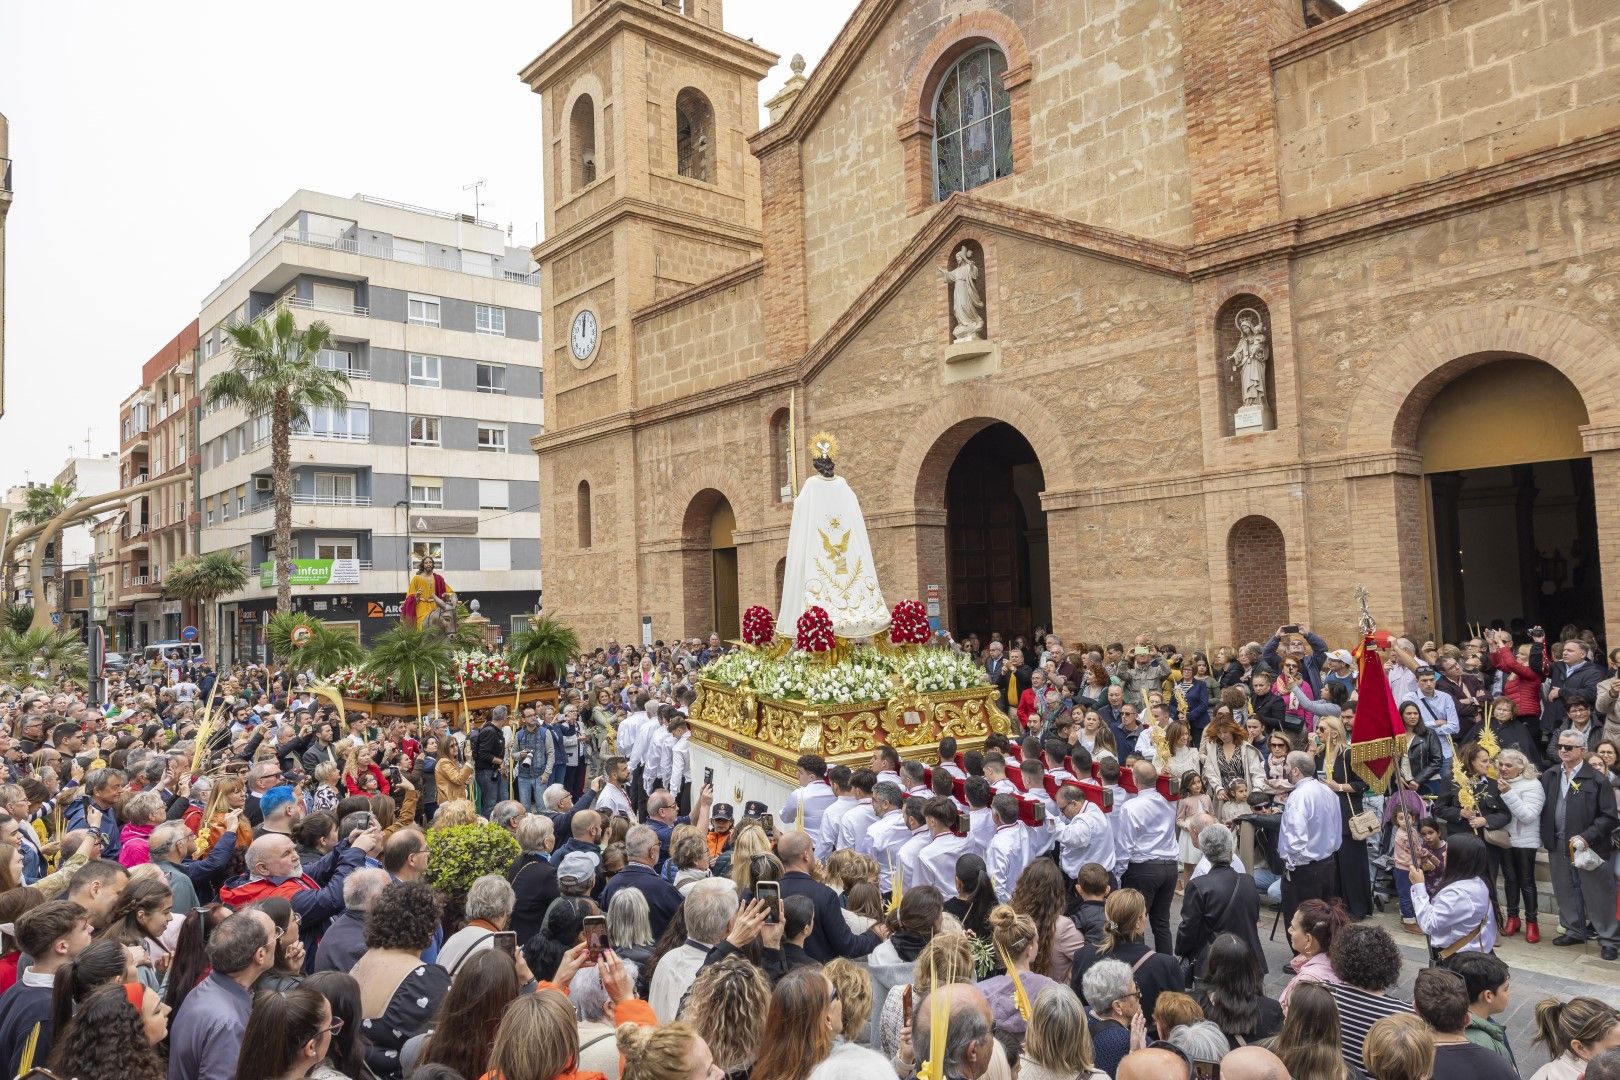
column 263, row 485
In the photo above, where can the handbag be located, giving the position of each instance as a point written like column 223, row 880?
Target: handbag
column 1498, row 838
column 1365, row 825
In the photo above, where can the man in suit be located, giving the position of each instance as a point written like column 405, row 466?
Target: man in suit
column 1221, row 901
column 1012, row 679
column 1575, row 673
column 829, row 935
column 1578, row 812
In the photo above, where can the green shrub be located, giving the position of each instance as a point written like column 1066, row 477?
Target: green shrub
column 460, row 855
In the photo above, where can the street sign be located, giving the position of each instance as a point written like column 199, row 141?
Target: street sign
column 933, row 607
column 56, row 618
column 646, row 632
column 189, row 634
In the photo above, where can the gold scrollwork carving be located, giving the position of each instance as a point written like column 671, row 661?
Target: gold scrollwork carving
column 908, row 720
column 853, row 733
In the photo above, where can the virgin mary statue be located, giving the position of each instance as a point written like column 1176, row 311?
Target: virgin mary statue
column 829, row 558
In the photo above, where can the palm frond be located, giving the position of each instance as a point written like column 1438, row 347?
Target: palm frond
column 207, row 577
column 329, row 650
column 278, row 631
column 18, row 617
column 410, row 656
column 38, row 657
column 543, row 648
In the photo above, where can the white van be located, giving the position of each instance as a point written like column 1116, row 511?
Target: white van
column 173, row 652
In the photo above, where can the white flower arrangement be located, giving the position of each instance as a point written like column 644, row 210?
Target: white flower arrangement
column 867, row 675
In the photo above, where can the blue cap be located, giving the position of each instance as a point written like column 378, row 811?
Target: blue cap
column 275, row 799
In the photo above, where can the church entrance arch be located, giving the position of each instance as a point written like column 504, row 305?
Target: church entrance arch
column 1510, row 499
column 709, row 567
column 996, row 556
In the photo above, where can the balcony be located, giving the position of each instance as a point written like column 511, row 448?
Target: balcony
column 304, row 498
column 310, row 305
column 134, row 530
column 379, row 251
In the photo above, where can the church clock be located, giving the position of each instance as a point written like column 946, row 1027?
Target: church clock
column 582, row 338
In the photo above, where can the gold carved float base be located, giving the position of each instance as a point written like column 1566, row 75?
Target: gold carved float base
column 769, row 734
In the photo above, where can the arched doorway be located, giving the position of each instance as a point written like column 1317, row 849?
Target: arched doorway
column 1257, row 567
column 996, row 546
column 709, row 567
column 1512, row 512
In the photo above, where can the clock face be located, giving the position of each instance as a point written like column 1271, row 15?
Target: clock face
column 582, row 336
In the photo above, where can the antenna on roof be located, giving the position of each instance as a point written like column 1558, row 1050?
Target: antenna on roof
column 476, row 187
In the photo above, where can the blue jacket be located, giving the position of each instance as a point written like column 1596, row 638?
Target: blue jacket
column 1311, row 668
column 75, row 817
column 662, row 898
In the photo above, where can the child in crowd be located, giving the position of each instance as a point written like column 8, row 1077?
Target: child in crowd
column 1093, row 886
column 1237, row 804
column 1194, row 803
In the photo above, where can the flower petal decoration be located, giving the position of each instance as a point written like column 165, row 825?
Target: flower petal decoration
column 758, row 626
column 815, row 631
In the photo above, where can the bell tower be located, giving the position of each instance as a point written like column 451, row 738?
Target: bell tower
column 650, row 189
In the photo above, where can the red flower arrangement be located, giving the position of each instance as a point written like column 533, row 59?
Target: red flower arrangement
column 815, row 631
column 758, row 626
column 908, row 624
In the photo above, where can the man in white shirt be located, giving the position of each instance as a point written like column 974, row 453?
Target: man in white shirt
column 1308, row 836
column 947, row 758
column 1158, row 723
column 1150, row 851
column 613, row 799
column 981, row 821
column 1009, row 849
column 843, row 801
column 995, row 771
column 906, row 861
column 1040, row 837
column 937, row 862
column 660, row 750
column 631, row 730
column 710, row 908
column 812, row 796
column 1196, row 827
column 1082, row 831
column 1401, row 669
column 858, row 819
column 914, row 780
column 886, row 766
column 888, row 834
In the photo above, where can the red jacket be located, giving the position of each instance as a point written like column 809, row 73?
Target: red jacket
column 1523, row 686
column 1027, row 707
column 354, row 788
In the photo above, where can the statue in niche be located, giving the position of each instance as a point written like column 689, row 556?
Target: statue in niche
column 967, row 306
column 1250, row 357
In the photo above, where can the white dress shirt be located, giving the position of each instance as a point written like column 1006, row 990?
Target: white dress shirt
column 884, row 840
column 954, row 769
column 628, row 735
column 1007, row 857
column 815, row 797
column 1148, row 828
column 1311, row 824
column 613, row 801
column 887, row 777
column 673, row 978
column 1085, row 838
column 1041, row 837
column 937, row 862
column 660, row 757
column 1004, row 786
column 853, row 826
column 827, row 838
column 981, row 827
column 1440, row 716
column 1454, row 912
column 1204, row 866
column 1117, row 821
column 907, row 861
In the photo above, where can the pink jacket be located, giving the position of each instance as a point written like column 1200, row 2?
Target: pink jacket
column 134, row 846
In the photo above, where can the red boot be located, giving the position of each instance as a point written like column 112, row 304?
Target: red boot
column 1532, row 932
column 1512, row 926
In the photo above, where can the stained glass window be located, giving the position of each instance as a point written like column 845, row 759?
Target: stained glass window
column 972, row 124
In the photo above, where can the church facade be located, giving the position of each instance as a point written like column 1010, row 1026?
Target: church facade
column 1264, row 301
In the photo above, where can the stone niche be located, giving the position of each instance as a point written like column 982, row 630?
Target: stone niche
column 1246, row 366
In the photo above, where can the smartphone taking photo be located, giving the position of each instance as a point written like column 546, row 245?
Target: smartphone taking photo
column 596, row 942
column 504, row 941
column 770, row 893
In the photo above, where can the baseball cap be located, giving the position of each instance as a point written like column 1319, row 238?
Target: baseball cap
column 720, row 811
column 755, row 808
column 1424, row 670
column 577, row 868
column 1342, row 656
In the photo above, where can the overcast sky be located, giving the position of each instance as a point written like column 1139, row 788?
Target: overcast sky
column 149, row 140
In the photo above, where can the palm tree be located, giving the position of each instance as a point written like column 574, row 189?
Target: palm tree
column 544, row 648
column 17, row 617
column 410, row 657
column 44, row 501
column 329, row 650
column 38, row 657
column 274, row 373
column 203, row 579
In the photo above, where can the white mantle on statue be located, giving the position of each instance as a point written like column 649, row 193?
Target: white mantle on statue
column 830, row 564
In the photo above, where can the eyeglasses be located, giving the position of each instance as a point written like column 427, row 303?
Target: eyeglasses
column 335, row 1030
column 1566, row 746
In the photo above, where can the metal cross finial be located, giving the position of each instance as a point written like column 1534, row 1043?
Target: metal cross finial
column 1367, row 624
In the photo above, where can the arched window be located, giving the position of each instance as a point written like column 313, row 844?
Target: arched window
column 584, row 513
column 781, row 457
column 972, row 124
column 694, row 135
column 582, row 141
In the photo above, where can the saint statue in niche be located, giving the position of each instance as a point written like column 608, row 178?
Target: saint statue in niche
column 1250, row 357
column 967, row 306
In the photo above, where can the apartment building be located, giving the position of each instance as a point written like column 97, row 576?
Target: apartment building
column 157, row 439
column 105, row 537
column 435, row 319
column 71, row 550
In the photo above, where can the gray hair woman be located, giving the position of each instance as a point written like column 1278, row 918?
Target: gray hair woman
column 598, row 1052
column 629, row 926
column 489, row 910
column 1201, row 1041
column 1110, row 987
column 1219, row 901
column 1519, row 782
column 1057, row 1045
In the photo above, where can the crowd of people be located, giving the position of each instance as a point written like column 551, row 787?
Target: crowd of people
column 219, row 874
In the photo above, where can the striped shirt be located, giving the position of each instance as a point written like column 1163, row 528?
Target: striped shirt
column 1358, row 1012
